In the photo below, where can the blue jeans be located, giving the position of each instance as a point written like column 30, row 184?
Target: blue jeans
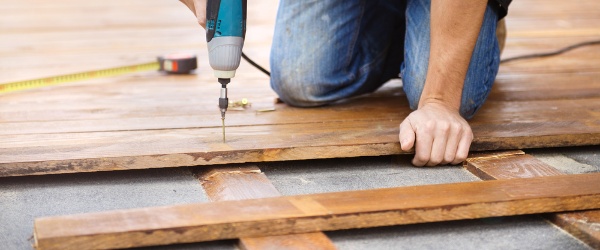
column 328, row 50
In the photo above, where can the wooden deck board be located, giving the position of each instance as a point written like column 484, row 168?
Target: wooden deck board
column 248, row 182
column 317, row 212
column 512, row 165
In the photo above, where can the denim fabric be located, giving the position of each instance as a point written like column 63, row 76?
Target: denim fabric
column 327, row 50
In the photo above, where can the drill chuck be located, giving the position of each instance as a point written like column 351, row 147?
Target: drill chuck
column 223, row 100
column 223, row 105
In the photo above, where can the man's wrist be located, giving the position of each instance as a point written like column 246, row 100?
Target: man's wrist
column 438, row 102
column 444, row 92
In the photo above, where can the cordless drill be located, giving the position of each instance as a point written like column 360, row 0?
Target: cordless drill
column 225, row 32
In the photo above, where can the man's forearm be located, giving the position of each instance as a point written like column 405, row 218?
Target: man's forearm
column 455, row 26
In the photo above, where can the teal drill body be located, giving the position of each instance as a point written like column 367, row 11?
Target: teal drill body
column 225, row 33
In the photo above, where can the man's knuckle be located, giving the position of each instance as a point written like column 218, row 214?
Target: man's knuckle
column 433, row 163
column 449, row 158
column 469, row 136
column 457, row 127
column 418, row 163
column 461, row 156
column 435, row 160
column 429, row 126
column 444, row 126
column 421, row 158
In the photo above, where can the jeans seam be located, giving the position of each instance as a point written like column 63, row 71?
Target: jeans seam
column 489, row 70
column 355, row 35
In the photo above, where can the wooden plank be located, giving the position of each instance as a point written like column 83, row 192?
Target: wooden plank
column 345, row 130
column 512, row 165
column 583, row 59
column 248, row 182
column 527, row 87
column 582, row 225
column 317, row 212
column 508, row 165
column 575, row 101
column 52, row 114
column 536, row 9
column 107, row 151
column 144, row 113
column 516, row 46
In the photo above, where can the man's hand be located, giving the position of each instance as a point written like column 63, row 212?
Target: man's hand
column 199, row 9
column 436, row 130
column 438, row 134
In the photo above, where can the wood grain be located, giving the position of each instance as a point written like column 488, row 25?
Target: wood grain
column 151, row 120
column 317, row 212
column 512, row 165
column 583, row 225
column 502, row 165
column 39, row 154
column 248, row 182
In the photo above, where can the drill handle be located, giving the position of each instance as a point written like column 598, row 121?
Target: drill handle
column 226, row 18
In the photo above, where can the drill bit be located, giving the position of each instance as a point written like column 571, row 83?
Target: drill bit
column 223, row 102
column 223, row 126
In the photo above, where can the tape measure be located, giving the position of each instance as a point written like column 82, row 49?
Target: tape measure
column 171, row 64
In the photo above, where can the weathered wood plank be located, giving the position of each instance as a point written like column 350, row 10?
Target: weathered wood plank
column 508, row 165
column 570, row 96
column 527, row 87
column 248, row 182
column 106, row 151
column 583, row 59
column 317, row 212
column 582, row 225
column 502, row 165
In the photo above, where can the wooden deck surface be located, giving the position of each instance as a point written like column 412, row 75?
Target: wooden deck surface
column 150, row 120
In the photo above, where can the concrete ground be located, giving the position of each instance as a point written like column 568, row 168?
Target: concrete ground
column 24, row 198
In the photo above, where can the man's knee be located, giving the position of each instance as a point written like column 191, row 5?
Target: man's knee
column 413, row 81
column 296, row 87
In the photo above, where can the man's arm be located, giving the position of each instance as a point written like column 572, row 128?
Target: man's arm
column 436, row 130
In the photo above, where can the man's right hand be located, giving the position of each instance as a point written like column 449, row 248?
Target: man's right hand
column 438, row 134
column 199, row 9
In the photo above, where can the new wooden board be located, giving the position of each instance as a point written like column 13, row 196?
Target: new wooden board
column 248, row 182
column 516, row 164
column 317, row 212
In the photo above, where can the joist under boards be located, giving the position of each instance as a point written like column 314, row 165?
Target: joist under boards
column 516, row 164
column 316, row 212
column 248, row 182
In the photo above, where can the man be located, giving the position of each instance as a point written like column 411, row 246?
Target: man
column 446, row 52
